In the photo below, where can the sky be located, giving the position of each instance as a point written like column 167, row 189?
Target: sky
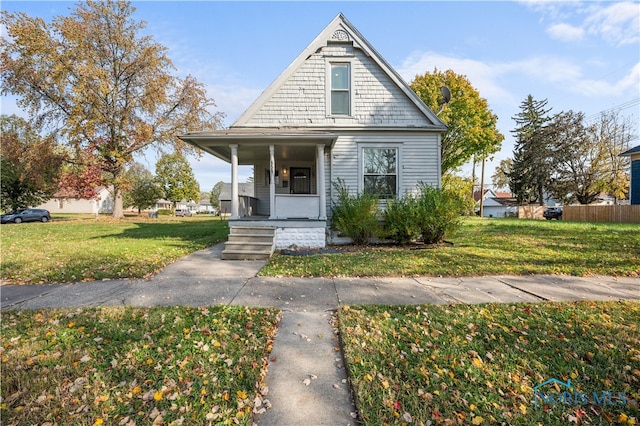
column 578, row 55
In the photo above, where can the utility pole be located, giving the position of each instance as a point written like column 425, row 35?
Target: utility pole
column 484, row 157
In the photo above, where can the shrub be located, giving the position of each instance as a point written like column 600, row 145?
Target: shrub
column 164, row 212
column 355, row 216
column 401, row 220
column 439, row 213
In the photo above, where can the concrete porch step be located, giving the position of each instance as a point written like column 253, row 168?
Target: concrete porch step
column 262, row 246
column 247, row 238
column 244, row 255
column 249, row 243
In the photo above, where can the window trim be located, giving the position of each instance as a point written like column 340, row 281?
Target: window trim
column 330, row 62
column 361, row 172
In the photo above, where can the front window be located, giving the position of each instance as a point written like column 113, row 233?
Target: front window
column 381, row 171
column 340, row 89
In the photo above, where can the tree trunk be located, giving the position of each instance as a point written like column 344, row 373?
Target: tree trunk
column 118, row 212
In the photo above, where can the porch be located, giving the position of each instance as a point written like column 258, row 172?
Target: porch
column 289, row 179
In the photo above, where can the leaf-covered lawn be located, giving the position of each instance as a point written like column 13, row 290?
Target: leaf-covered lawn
column 461, row 364
column 80, row 250
column 488, row 247
column 127, row 366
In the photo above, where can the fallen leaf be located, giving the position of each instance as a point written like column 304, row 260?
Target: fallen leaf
column 477, row 420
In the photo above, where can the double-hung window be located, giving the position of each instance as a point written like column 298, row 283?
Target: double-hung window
column 380, row 171
column 340, row 89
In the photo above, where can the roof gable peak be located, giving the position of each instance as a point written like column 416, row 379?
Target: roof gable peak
column 339, row 30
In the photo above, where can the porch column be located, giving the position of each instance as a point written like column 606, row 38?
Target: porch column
column 322, row 193
column 272, row 183
column 234, row 181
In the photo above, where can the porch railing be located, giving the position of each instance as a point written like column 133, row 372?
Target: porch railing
column 297, row 206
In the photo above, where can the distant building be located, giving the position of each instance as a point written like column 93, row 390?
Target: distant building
column 102, row 203
column 247, row 201
column 634, row 189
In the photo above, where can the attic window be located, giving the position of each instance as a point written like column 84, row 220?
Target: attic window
column 340, row 89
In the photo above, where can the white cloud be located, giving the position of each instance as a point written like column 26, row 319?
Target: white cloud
column 565, row 32
column 618, row 23
column 498, row 81
column 483, row 76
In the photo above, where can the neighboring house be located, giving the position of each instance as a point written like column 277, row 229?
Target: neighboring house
column 102, row 203
column 162, row 204
column 500, row 207
column 247, row 203
column 205, row 206
column 634, row 188
column 496, row 203
column 339, row 111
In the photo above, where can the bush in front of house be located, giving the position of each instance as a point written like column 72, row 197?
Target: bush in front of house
column 439, row 213
column 401, row 220
column 355, row 216
column 427, row 216
column 164, row 212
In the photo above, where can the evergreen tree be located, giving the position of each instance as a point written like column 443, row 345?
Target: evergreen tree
column 531, row 156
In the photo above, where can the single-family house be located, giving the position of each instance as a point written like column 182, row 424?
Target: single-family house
column 338, row 111
column 101, row 203
column 634, row 189
column 496, row 203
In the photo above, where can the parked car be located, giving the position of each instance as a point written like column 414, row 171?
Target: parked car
column 183, row 213
column 26, row 215
column 552, row 213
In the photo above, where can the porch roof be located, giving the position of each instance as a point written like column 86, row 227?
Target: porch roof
column 290, row 142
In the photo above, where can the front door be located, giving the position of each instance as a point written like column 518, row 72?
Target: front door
column 300, row 180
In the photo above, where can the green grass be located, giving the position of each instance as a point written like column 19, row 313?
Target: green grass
column 462, row 364
column 485, row 247
column 134, row 366
column 82, row 249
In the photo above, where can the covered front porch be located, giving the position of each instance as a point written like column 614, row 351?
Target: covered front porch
column 289, row 178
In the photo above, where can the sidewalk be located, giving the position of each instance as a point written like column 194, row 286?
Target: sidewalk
column 306, row 378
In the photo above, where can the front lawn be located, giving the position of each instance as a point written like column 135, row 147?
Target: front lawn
column 461, row 364
column 83, row 249
column 127, row 366
column 488, row 247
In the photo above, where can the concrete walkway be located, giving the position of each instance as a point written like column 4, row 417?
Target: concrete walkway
column 306, row 378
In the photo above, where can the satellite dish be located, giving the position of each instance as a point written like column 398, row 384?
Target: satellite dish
column 446, row 95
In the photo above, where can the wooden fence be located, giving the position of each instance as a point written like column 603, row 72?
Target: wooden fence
column 530, row 212
column 616, row 214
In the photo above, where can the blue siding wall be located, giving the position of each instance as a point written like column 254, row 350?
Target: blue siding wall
column 635, row 182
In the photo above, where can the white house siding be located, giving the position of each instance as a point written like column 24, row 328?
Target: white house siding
column 104, row 204
column 418, row 161
column 301, row 101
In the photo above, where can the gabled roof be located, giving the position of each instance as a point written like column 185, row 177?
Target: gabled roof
column 339, row 23
column 244, row 189
column 634, row 150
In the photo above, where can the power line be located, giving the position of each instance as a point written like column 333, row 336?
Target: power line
column 625, row 105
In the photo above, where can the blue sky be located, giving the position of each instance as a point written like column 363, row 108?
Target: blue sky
column 581, row 56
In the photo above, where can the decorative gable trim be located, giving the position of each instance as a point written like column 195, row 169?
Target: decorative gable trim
column 340, row 30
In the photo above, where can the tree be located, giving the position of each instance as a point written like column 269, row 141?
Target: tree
column 614, row 136
column 176, row 179
column 107, row 87
column 471, row 124
column 530, row 170
column 142, row 190
column 215, row 194
column 500, row 177
column 29, row 165
column 575, row 161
